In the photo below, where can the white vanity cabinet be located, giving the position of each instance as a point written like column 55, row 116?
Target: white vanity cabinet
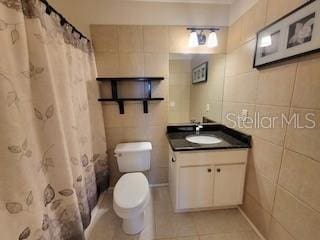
column 207, row 179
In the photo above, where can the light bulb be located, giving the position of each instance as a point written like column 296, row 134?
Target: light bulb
column 266, row 41
column 193, row 39
column 212, row 40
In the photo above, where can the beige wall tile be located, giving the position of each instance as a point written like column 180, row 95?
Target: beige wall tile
column 240, row 60
column 105, row 90
column 134, row 116
column 179, row 66
column 158, row 175
column 231, row 112
column 155, row 39
column 259, row 217
column 104, row 38
column 178, row 39
column 161, row 89
column 114, row 136
column 107, row 64
column 157, row 135
column 130, row 38
column 260, row 188
column 222, row 36
column 111, row 115
column 131, row 64
column 215, row 112
column 275, row 85
column 281, row 86
column 277, row 9
column 234, row 35
column 156, row 65
column 304, row 140
column 277, row 232
column 159, row 157
column 135, row 134
column 307, row 87
column 269, row 125
column 253, row 20
column 265, row 158
column 301, row 221
column 158, row 114
column 181, row 79
column 241, row 88
column 130, row 89
column 178, row 117
column 300, row 175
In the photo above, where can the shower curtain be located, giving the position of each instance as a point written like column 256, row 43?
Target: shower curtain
column 52, row 143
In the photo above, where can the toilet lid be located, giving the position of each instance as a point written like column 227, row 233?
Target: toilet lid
column 131, row 190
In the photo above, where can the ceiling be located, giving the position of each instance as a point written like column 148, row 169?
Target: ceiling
column 188, row 1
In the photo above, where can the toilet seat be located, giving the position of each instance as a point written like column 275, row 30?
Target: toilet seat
column 131, row 195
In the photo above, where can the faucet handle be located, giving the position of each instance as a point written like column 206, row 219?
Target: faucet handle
column 198, row 127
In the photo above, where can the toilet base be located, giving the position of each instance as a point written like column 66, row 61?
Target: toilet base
column 133, row 225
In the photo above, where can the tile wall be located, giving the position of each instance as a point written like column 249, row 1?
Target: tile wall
column 282, row 195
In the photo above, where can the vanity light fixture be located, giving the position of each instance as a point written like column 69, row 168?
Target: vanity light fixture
column 193, row 39
column 198, row 37
column 212, row 40
column 266, row 41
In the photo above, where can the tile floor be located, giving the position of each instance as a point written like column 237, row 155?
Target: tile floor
column 163, row 223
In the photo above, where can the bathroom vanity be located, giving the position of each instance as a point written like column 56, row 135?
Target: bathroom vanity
column 206, row 175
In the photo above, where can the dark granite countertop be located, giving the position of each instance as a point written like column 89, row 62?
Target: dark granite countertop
column 231, row 139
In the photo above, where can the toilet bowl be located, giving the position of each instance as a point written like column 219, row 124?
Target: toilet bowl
column 130, row 199
column 131, row 193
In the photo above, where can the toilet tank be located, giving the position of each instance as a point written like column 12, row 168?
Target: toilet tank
column 133, row 157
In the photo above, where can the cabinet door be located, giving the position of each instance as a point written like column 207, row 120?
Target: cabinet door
column 195, row 186
column 228, row 184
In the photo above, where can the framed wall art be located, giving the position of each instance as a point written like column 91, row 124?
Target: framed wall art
column 295, row 34
column 200, row 73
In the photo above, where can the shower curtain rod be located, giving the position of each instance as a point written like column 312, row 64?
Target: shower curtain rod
column 63, row 20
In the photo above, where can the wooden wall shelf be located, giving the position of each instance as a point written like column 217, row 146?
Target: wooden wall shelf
column 120, row 100
column 101, row 79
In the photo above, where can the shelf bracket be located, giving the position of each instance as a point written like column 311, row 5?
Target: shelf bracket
column 145, row 106
column 121, row 106
column 114, row 89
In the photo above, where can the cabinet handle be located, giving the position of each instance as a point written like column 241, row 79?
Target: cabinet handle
column 209, row 169
column 218, row 170
column 173, row 160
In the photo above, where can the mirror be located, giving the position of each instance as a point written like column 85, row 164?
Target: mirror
column 196, row 84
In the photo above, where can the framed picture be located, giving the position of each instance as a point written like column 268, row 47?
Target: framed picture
column 200, row 73
column 295, row 34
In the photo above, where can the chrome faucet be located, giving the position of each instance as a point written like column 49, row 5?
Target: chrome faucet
column 198, row 127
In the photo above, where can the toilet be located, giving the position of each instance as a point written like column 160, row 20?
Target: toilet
column 131, row 193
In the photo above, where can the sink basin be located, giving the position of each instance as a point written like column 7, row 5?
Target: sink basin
column 203, row 139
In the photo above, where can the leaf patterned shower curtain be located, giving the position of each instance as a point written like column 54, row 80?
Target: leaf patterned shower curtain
column 52, row 141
